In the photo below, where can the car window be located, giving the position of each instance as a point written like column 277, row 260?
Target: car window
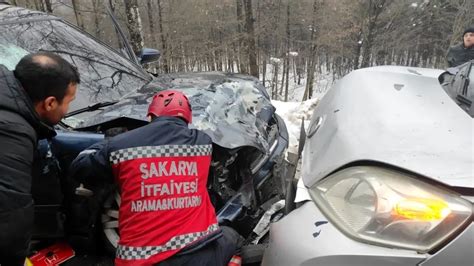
column 105, row 74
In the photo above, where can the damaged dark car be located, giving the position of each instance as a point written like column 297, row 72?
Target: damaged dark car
column 235, row 110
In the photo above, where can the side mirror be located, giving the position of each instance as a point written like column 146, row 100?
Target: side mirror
column 148, row 55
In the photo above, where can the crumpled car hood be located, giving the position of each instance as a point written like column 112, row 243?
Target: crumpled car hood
column 399, row 116
column 233, row 109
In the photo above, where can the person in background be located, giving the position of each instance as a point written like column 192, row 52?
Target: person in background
column 462, row 52
column 33, row 98
column 165, row 216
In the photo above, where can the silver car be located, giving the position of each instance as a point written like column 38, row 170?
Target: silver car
column 387, row 173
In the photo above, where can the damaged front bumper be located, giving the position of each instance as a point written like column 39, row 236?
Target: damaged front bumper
column 306, row 237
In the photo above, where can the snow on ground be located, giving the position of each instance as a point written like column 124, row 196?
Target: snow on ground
column 293, row 113
column 322, row 82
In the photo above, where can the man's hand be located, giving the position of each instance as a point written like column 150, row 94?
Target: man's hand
column 82, row 191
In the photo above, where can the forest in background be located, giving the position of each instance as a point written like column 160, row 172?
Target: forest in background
column 298, row 39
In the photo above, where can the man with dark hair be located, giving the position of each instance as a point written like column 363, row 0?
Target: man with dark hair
column 463, row 52
column 33, row 98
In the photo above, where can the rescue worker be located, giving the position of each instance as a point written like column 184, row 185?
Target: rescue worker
column 33, row 98
column 165, row 216
column 463, row 52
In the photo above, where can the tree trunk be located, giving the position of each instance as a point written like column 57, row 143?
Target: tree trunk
column 151, row 23
column 293, row 66
column 309, row 80
column 240, row 40
column 463, row 17
column 48, row 6
column 252, row 53
column 275, row 81
column 229, row 67
column 164, row 52
column 283, row 76
column 77, row 14
column 259, row 56
column 358, row 49
column 299, row 70
column 40, row 5
column 375, row 8
column 312, row 57
column 134, row 25
column 37, row 5
column 264, row 69
column 287, row 51
column 97, row 17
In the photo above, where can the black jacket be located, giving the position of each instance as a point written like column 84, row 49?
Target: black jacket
column 458, row 55
column 20, row 129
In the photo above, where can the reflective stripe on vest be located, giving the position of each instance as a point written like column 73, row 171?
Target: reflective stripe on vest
column 177, row 242
column 159, row 151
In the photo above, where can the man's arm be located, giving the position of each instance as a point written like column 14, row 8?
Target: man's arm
column 16, row 160
column 91, row 167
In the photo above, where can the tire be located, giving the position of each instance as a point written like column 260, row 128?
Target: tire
column 109, row 222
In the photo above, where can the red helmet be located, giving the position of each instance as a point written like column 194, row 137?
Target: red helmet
column 171, row 103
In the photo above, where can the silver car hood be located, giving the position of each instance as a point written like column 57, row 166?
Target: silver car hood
column 399, row 116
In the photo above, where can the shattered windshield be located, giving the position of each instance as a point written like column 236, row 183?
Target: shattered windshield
column 105, row 75
column 232, row 107
column 233, row 110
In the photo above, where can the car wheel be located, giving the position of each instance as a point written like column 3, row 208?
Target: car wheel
column 109, row 221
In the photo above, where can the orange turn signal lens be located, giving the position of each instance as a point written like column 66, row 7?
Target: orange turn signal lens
column 422, row 209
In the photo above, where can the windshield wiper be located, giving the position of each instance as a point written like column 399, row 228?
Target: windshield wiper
column 90, row 108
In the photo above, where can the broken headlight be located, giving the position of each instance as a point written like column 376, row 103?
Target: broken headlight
column 390, row 208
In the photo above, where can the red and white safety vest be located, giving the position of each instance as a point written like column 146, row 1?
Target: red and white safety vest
column 165, row 205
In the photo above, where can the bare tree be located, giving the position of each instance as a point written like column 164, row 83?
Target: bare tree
column 77, row 13
column 97, row 17
column 463, row 17
column 241, row 45
column 288, row 36
column 332, row 37
column 312, row 55
column 134, row 25
column 151, row 22
column 252, row 53
column 375, row 8
column 48, row 6
column 163, row 40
